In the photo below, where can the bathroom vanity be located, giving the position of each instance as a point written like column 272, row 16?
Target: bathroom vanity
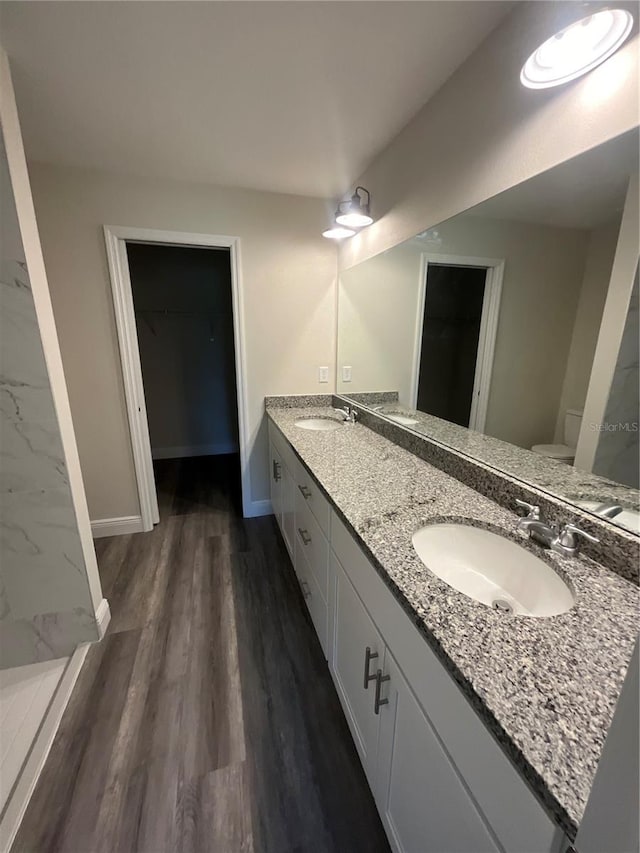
column 478, row 730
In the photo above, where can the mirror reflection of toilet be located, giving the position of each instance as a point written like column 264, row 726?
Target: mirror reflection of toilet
column 564, row 452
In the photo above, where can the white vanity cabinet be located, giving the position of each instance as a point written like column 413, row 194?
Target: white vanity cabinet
column 283, row 500
column 275, row 466
column 423, row 801
column 356, row 653
column 441, row 782
column 288, row 508
column 311, row 544
column 420, row 796
column 494, row 804
column 302, row 513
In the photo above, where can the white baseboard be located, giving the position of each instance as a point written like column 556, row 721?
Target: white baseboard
column 116, row 526
column 19, row 800
column 103, row 617
column 256, row 508
column 194, row 450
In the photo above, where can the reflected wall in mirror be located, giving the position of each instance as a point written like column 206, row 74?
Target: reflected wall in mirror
column 510, row 332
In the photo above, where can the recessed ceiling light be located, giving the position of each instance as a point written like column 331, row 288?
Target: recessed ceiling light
column 338, row 233
column 577, row 49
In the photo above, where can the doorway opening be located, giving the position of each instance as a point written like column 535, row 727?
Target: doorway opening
column 178, row 306
column 456, row 330
column 183, row 305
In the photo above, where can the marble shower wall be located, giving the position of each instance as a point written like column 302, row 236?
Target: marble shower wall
column 617, row 454
column 45, row 601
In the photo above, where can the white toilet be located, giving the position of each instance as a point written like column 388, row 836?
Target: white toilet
column 564, row 452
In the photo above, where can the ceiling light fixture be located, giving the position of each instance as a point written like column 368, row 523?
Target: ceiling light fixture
column 338, row 233
column 356, row 213
column 577, row 49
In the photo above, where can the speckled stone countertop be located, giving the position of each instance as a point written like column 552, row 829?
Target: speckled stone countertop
column 545, row 687
column 555, row 477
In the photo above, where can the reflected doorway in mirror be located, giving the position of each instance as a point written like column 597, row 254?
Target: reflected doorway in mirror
column 456, row 327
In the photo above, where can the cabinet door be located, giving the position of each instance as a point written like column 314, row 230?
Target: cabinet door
column 424, row 804
column 316, row 604
column 353, row 633
column 275, row 464
column 288, row 510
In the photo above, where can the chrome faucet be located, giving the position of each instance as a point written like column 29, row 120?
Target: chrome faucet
column 608, row 510
column 564, row 541
column 348, row 413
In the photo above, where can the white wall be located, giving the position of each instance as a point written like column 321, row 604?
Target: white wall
column 184, row 317
column 288, row 274
column 593, row 293
column 543, row 274
column 377, row 309
column 483, row 132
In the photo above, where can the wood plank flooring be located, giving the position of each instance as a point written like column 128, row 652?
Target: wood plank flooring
column 206, row 720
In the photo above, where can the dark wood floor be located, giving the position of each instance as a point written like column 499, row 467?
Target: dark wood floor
column 206, row 720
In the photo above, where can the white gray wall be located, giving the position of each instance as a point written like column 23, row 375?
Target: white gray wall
column 483, row 132
column 288, row 272
column 377, row 310
column 584, row 337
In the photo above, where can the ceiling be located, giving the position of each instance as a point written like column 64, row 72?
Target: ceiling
column 585, row 192
column 293, row 97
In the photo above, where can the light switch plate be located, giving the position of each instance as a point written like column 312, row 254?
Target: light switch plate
column 346, row 373
column 323, row 374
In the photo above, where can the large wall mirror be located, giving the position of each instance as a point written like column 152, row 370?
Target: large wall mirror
column 510, row 332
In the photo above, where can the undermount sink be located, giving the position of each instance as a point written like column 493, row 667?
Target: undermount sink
column 402, row 419
column 492, row 569
column 321, row 424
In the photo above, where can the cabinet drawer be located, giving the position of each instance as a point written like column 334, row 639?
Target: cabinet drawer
column 316, row 604
column 313, row 497
column 311, row 542
column 283, row 447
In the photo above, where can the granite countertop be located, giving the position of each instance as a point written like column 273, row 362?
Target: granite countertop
column 553, row 476
column 545, row 687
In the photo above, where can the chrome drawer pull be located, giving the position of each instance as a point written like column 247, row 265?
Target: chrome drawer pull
column 304, row 535
column 305, row 492
column 368, row 657
column 306, row 591
column 276, row 470
column 378, row 701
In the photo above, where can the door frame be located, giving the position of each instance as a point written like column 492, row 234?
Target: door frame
column 486, row 337
column 116, row 237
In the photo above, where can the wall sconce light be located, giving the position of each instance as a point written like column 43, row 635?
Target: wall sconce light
column 338, row 233
column 354, row 213
column 577, row 49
